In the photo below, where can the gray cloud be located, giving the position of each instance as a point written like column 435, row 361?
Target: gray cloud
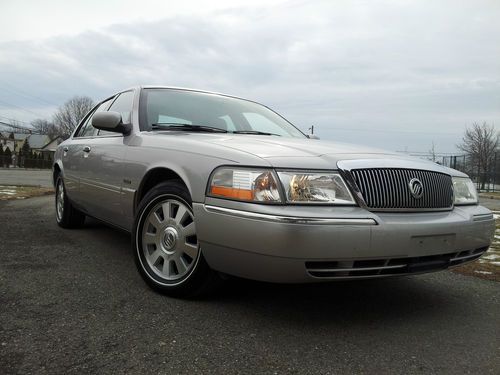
column 391, row 75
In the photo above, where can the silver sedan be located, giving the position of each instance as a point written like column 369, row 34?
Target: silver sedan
column 212, row 185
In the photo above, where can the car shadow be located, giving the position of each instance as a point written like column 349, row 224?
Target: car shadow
column 361, row 301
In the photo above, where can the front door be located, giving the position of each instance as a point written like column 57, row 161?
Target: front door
column 102, row 167
column 102, row 177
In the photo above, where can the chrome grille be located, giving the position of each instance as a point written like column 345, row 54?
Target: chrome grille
column 388, row 189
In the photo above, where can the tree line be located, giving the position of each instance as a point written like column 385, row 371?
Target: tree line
column 62, row 124
column 66, row 118
column 481, row 144
column 25, row 158
column 480, row 141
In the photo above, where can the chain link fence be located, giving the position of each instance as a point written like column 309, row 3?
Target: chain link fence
column 486, row 177
column 25, row 162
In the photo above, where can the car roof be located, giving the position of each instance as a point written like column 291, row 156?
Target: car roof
column 140, row 87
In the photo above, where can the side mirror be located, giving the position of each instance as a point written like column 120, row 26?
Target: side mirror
column 111, row 122
column 312, row 136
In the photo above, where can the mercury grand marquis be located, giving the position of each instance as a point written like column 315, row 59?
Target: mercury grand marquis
column 212, row 185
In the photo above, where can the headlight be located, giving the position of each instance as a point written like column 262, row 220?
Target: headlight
column 252, row 185
column 315, row 187
column 464, row 191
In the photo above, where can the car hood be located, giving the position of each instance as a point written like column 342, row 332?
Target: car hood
column 272, row 147
column 281, row 152
column 319, row 154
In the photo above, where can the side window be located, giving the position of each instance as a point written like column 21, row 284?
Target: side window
column 87, row 130
column 84, row 128
column 123, row 105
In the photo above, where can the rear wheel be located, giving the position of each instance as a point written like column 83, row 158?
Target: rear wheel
column 165, row 244
column 67, row 216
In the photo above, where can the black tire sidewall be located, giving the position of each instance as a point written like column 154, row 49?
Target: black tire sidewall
column 71, row 217
column 199, row 274
column 61, row 220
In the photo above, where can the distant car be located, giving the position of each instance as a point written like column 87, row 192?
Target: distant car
column 210, row 184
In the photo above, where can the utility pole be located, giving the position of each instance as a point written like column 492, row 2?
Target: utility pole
column 494, row 172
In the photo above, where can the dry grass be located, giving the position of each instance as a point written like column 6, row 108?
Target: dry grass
column 22, row 192
column 495, row 195
column 485, row 270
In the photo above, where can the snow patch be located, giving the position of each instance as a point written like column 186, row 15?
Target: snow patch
column 491, row 257
column 484, row 272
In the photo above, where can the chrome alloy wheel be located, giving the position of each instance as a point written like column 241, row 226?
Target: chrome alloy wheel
column 60, row 200
column 169, row 241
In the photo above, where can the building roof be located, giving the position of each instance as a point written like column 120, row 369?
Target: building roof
column 20, row 136
column 37, row 141
column 52, row 145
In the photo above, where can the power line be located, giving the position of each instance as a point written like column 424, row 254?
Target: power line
column 16, row 126
column 389, row 131
column 22, row 93
column 21, row 108
column 15, row 120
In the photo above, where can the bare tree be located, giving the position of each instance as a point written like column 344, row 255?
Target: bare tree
column 41, row 126
column 480, row 142
column 70, row 113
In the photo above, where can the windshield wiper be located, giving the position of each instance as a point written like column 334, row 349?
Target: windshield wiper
column 186, row 127
column 253, row 132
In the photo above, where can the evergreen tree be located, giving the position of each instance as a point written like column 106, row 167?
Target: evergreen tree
column 24, row 153
column 7, row 156
column 26, row 148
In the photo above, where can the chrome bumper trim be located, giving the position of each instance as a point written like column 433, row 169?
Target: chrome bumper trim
column 357, row 269
column 482, row 217
column 465, row 257
column 290, row 219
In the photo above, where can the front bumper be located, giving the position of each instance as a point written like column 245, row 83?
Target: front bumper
column 304, row 243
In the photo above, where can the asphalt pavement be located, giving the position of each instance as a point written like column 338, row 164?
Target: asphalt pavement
column 72, row 302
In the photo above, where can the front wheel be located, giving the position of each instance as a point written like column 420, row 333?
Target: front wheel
column 165, row 244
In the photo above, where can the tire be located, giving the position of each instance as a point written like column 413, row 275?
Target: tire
column 166, row 249
column 67, row 216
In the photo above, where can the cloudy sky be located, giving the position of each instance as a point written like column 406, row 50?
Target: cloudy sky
column 393, row 74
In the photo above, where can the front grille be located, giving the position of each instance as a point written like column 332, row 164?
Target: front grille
column 388, row 189
column 390, row 266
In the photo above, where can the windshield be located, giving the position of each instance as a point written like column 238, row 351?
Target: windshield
column 164, row 108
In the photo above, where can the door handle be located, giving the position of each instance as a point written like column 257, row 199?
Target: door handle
column 86, row 149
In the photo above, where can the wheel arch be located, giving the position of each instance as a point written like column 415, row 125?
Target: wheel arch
column 155, row 176
column 56, row 171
